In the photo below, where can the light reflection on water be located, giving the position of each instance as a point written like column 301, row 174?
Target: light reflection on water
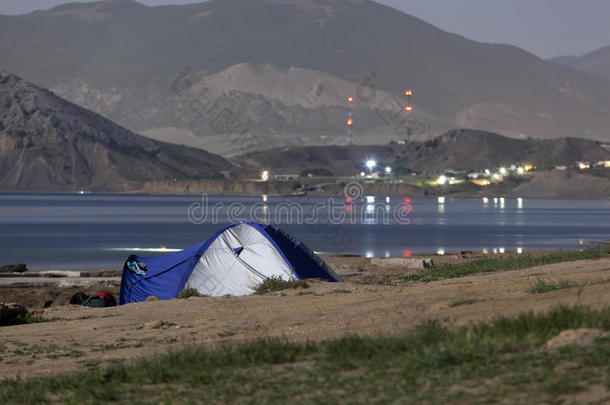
column 94, row 231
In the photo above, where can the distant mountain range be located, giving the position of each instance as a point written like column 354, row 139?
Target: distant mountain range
column 237, row 75
column 596, row 63
column 49, row 144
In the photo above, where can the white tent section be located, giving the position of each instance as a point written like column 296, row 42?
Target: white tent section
column 236, row 262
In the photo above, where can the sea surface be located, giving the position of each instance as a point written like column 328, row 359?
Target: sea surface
column 93, row 231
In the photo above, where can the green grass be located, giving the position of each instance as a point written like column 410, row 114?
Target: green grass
column 543, row 286
column 462, row 301
column 276, row 283
column 30, row 317
column 505, row 263
column 190, row 292
column 483, row 362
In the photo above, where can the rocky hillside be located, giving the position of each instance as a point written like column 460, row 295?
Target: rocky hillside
column 476, row 150
column 285, row 106
column 457, row 149
column 281, row 68
column 49, row 144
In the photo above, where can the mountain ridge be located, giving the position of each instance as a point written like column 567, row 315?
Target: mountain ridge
column 460, row 149
column 49, row 144
column 596, row 63
column 123, row 67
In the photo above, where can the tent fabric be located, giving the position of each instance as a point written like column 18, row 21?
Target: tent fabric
column 233, row 261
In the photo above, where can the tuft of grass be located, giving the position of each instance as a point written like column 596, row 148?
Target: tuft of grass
column 434, row 363
column 189, row 292
column 30, row 317
column 462, row 301
column 487, row 265
column 277, row 283
column 543, row 286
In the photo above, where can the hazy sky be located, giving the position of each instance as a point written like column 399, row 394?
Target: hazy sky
column 544, row 27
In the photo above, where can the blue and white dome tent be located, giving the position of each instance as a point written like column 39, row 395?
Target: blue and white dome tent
column 233, row 261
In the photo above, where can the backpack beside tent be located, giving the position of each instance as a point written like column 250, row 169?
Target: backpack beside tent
column 233, row 261
column 101, row 300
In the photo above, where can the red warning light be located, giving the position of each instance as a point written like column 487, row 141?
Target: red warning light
column 409, row 108
column 407, row 199
column 406, row 253
column 350, row 99
column 409, row 93
column 348, row 199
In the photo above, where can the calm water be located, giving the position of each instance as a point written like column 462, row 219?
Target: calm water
column 61, row 231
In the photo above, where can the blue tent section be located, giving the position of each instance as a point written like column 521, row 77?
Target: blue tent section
column 306, row 263
column 231, row 261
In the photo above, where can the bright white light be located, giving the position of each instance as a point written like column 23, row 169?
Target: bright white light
column 138, row 249
column 388, row 170
column 441, row 200
column 387, row 200
column 370, row 164
column 264, row 197
column 487, row 172
column 362, row 174
column 502, row 250
column 519, row 202
column 485, row 200
column 503, row 171
column 370, row 199
column 440, row 252
column 265, row 175
column 519, row 250
column 441, row 181
column 521, row 170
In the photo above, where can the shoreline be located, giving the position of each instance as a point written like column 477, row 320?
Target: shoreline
column 456, row 196
column 38, row 290
column 76, row 270
column 555, row 184
column 79, row 271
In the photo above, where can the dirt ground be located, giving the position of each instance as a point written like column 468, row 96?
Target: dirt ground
column 48, row 294
column 79, row 338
